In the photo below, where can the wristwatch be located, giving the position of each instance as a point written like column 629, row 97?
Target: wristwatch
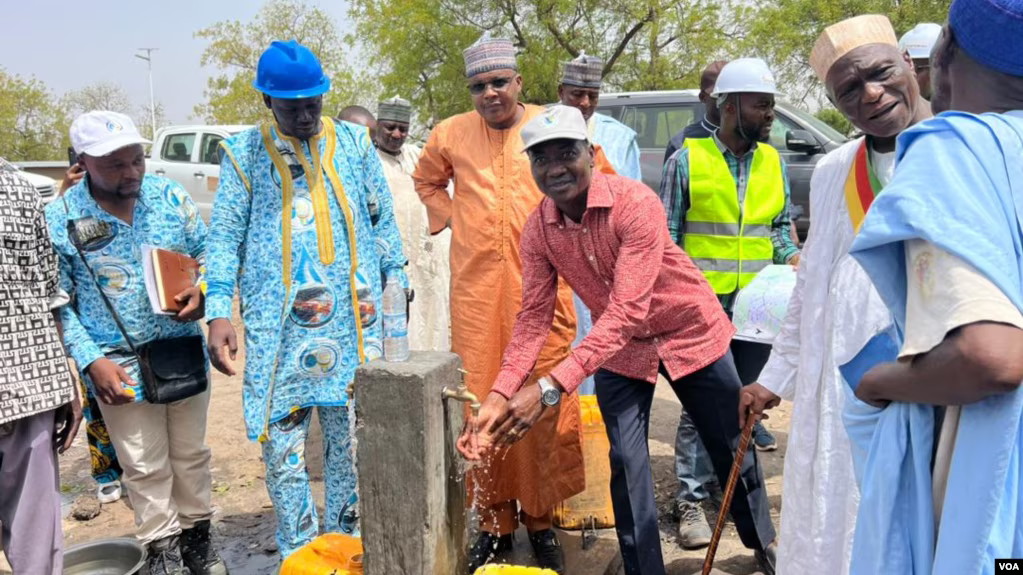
column 550, row 396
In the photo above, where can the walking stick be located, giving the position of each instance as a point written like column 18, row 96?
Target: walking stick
column 726, row 501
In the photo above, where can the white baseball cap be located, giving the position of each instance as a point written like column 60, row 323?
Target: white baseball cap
column 558, row 122
column 100, row 132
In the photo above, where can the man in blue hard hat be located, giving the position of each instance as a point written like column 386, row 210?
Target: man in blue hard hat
column 303, row 225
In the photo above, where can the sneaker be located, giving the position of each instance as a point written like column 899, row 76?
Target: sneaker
column 108, row 493
column 487, row 548
column 164, row 557
column 198, row 551
column 548, row 551
column 693, row 529
column 763, row 439
column 767, row 558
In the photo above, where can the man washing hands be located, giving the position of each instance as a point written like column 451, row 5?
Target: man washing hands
column 660, row 316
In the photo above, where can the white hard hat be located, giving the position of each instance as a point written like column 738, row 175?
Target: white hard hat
column 745, row 75
column 919, row 41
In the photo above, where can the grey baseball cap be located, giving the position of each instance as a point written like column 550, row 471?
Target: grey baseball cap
column 558, row 122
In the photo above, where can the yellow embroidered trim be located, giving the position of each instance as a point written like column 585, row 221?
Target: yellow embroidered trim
column 318, row 194
column 237, row 168
column 342, row 200
column 287, row 205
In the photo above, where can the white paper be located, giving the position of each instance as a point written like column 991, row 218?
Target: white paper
column 150, row 278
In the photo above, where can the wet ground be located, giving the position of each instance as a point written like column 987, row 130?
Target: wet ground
column 245, row 523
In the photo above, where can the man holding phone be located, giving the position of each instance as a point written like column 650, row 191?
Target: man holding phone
column 99, row 227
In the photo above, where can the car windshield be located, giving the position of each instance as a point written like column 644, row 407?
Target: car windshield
column 829, row 132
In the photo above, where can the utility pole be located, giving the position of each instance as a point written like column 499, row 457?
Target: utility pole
column 152, row 101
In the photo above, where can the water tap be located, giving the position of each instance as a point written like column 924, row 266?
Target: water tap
column 462, row 393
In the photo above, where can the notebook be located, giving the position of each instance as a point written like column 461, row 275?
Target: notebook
column 882, row 348
column 168, row 273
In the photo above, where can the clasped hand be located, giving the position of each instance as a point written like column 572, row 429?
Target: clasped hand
column 501, row 422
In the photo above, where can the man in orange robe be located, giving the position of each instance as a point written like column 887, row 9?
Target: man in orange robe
column 494, row 193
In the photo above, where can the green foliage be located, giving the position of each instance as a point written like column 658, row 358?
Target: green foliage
column 234, row 49
column 650, row 44
column 109, row 96
column 32, row 125
column 783, row 33
column 836, row 120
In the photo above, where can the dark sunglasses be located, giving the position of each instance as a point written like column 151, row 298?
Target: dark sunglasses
column 498, row 84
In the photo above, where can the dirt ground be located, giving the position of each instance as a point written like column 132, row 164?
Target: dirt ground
column 244, row 520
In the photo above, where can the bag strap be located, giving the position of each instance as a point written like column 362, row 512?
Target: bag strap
column 72, row 229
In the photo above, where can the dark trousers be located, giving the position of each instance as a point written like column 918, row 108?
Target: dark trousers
column 711, row 396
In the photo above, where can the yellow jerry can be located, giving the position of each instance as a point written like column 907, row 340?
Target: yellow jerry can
column 328, row 554
column 590, row 509
column 498, row 569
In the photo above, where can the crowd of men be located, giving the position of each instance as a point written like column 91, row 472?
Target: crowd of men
column 529, row 247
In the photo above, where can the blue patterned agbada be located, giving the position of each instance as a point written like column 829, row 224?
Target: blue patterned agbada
column 309, row 239
column 311, row 315
column 165, row 216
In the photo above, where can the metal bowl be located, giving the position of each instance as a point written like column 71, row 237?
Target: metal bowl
column 105, row 557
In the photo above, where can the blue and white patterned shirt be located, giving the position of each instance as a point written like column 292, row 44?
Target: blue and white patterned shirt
column 166, row 217
column 307, row 255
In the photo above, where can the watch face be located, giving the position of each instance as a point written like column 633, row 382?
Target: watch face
column 551, row 397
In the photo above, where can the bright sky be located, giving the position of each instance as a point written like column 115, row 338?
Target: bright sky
column 69, row 44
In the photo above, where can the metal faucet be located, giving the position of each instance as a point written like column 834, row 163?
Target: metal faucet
column 462, row 393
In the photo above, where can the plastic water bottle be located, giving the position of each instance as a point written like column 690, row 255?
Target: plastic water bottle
column 395, row 306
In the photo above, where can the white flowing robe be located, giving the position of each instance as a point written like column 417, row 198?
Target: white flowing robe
column 833, row 312
column 429, row 272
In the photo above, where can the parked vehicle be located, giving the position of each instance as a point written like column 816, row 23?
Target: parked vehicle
column 800, row 138
column 46, row 186
column 190, row 156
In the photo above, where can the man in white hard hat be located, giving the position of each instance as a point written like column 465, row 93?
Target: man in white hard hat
column 917, row 44
column 834, row 309
column 727, row 202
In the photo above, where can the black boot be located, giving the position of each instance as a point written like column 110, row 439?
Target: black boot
column 487, row 548
column 198, row 551
column 165, row 557
column 549, row 554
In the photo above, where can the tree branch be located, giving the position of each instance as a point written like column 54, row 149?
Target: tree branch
column 625, row 41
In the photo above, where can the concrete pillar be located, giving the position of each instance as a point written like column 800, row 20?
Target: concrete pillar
column 411, row 486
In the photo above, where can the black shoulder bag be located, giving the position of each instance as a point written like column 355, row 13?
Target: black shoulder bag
column 171, row 369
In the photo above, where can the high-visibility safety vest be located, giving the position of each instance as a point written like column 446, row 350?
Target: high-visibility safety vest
column 728, row 242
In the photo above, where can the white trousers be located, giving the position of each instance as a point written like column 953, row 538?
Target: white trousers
column 162, row 449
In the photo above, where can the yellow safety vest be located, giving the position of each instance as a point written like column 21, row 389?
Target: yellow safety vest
column 731, row 243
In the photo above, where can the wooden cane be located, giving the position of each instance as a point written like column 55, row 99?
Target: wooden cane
column 726, row 500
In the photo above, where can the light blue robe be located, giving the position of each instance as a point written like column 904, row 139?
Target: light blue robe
column 619, row 144
column 958, row 185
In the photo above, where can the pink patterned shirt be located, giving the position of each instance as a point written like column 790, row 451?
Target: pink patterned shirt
column 656, row 309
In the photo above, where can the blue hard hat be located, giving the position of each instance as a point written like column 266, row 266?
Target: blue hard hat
column 290, row 70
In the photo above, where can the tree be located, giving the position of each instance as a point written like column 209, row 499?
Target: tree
column 783, row 32
column 234, row 49
column 836, row 120
column 650, row 44
column 31, row 123
column 98, row 96
column 109, row 96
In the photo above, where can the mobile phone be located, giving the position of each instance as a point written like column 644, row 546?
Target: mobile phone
column 72, row 157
